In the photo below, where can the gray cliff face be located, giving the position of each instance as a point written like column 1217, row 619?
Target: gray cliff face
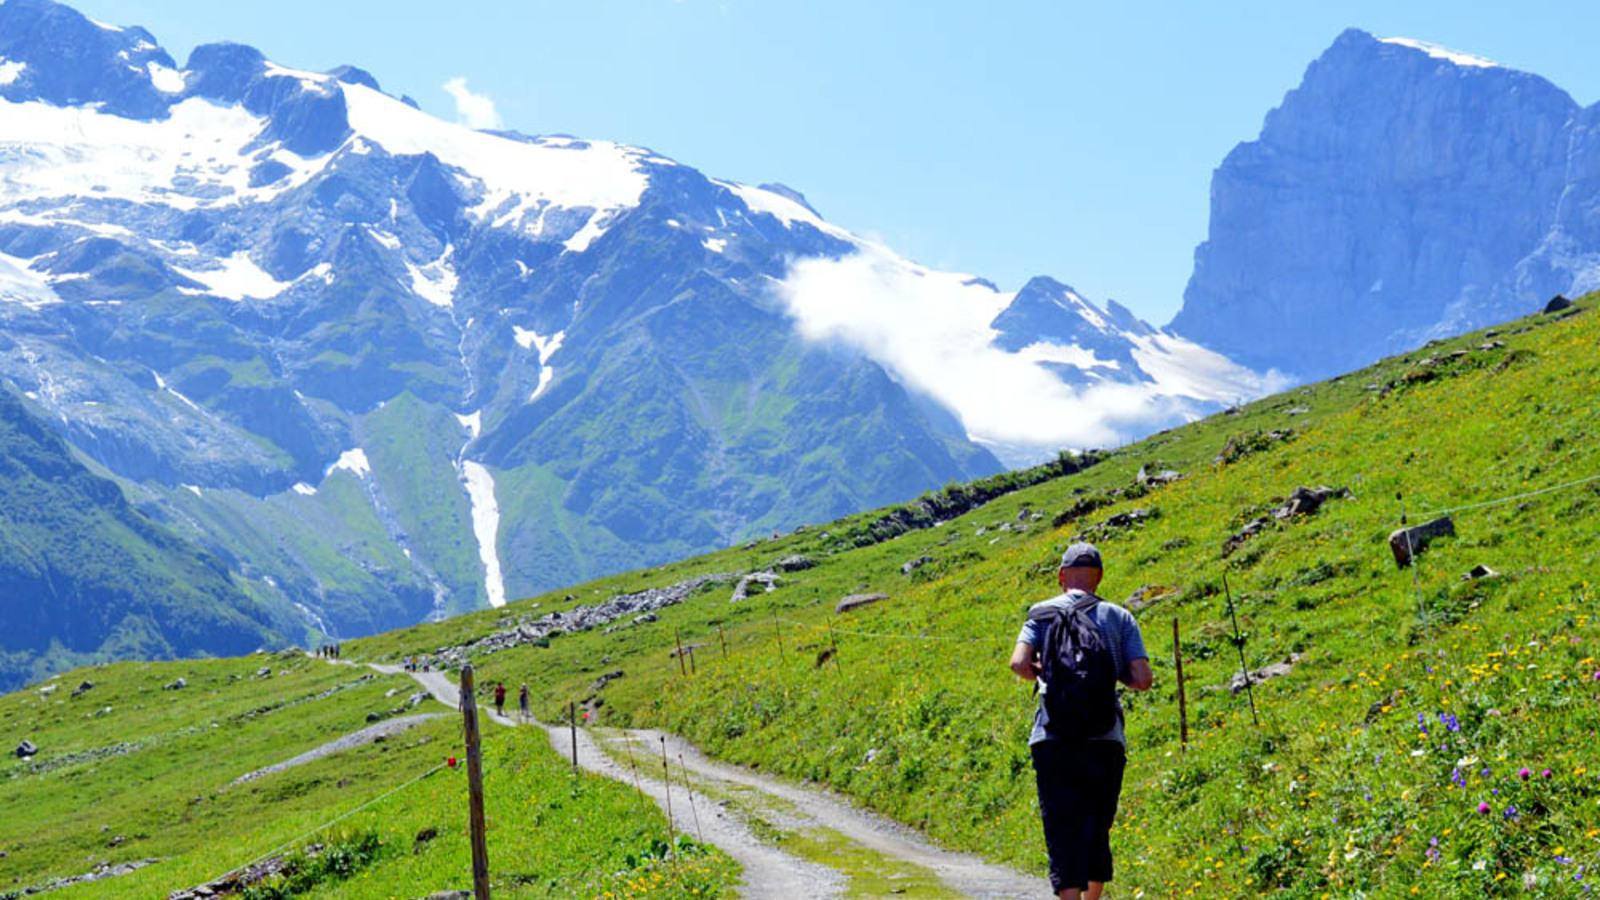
column 1400, row 193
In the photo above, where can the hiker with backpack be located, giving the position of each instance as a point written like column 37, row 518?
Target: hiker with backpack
column 1078, row 647
column 500, row 698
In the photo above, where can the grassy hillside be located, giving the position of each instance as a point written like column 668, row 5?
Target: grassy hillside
column 1408, row 704
column 86, row 577
column 131, row 771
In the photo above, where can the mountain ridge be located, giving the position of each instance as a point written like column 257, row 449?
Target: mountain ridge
column 1402, row 192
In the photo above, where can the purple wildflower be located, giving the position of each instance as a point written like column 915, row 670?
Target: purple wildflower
column 1523, row 773
column 1483, row 809
column 1458, row 779
column 1547, row 774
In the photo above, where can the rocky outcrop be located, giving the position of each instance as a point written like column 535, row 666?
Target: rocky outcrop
column 639, row 605
column 1402, row 192
column 767, row 582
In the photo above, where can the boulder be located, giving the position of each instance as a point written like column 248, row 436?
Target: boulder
column 26, row 749
column 178, row 685
column 856, row 601
column 915, row 564
column 604, row 680
column 264, row 672
column 1557, row 304
column 1275, row 670
column 793, row 563
column 83, row 688
column 1304, row 501
column 1407, row 542
column 1479, row 571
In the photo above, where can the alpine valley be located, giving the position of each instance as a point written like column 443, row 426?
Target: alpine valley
column 370, row 367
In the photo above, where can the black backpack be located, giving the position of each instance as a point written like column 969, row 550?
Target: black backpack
column 1078, row 670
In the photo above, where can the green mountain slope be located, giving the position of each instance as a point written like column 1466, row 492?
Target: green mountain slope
column 1351, row 774
column 87, row 577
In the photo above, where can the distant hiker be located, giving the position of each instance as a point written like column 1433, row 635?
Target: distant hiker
column 1078, row 646
column 499, row 698
column 522, row 701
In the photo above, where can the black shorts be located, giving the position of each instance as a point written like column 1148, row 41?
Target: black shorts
column 1079, row 783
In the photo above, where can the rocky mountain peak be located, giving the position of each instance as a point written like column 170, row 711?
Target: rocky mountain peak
column 1389, row 199
column 54, row 53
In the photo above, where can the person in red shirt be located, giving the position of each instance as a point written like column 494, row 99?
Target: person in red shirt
column 499, row 698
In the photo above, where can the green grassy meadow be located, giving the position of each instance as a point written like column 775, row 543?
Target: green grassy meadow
column 168, row 794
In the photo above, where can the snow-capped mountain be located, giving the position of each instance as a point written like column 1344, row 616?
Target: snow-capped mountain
column 1402, row 192
column 386, row 366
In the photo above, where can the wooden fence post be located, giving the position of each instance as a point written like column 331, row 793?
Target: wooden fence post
column 1183, row 706
column 480, row 843
column 678, row 637
column 572, row 724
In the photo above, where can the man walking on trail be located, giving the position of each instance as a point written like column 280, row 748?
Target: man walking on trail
column 522, row 701
column 1084, row 645
column 500, row 698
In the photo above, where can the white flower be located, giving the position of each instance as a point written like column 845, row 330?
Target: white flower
column 1466, row 761
column 1420, row 751
column 1480, row 865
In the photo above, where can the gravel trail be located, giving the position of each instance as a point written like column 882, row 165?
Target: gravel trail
column 769, row 872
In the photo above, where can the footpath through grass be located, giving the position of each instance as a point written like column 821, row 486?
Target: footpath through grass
column 1429, row 739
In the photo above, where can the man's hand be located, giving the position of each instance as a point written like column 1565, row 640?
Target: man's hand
column 1023, row 662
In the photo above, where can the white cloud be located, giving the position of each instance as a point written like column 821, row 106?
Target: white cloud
column 473, row 110
column 931, row 331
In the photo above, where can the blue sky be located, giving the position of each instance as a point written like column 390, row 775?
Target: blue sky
column 1004, row 139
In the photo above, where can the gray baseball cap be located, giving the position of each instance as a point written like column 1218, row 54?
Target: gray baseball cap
column 1081, row 555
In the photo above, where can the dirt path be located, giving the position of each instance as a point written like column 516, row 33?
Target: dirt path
column 770, row 873
column 354, row 739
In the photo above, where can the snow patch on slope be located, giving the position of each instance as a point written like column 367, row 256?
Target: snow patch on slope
column 53, row 152
column 167, row 80
column 435, row 282
column 547, row 346
column 236, row 278
column 1445, row 53
column 518, row 176
column 485, row 527
column 19, row 284
column 352, row 461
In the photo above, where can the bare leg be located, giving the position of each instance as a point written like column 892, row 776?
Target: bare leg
column 1095, row 889
column 1069, row 894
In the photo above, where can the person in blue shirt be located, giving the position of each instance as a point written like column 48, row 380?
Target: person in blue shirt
column 1079, row 781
